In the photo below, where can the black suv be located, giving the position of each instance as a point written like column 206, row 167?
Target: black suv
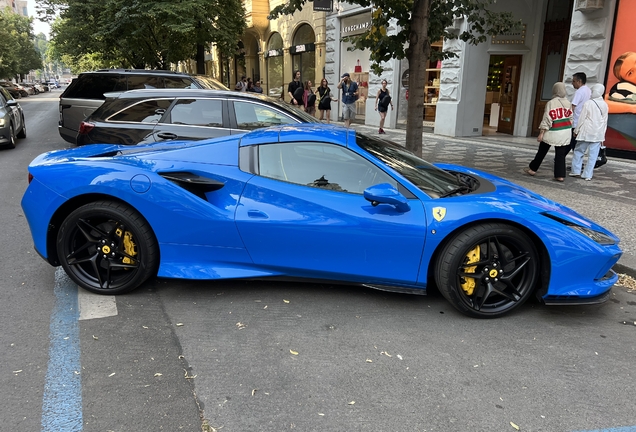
column 146, row 116
column 86, row 92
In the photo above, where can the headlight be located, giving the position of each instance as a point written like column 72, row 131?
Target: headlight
column 597, row 236
column 1, row 121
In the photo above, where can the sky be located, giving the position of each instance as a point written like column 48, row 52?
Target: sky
column 38, row 26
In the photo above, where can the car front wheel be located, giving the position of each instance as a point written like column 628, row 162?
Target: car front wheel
column 107, row 248
column 488, row 270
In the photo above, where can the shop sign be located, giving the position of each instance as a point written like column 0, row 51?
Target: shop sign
column 512, row 37
column 302, row 48
column 274, row 53
column 356, row 25
column 323, row 6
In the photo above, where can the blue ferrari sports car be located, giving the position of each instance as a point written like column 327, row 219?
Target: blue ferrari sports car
column 311, row 202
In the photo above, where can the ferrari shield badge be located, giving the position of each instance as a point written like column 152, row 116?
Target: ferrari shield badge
column 439, row 213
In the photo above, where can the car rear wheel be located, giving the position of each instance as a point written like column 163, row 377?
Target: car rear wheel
column 488, row 270
column 107, row 248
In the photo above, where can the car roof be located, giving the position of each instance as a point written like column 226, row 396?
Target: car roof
column 144, row 93
column 135, row 71
column 307, row 132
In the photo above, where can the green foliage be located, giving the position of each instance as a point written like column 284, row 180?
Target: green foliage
column 18, row 54
column 140, row 33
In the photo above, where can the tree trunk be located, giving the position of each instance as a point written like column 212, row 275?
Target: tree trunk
column 418, row 54
column 200, row 59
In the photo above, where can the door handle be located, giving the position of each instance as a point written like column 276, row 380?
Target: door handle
column 257, row 214
column 167, row 135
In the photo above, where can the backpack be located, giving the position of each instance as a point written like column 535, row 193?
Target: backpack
column 311, row 100
column 298, row 95
column 385, row 101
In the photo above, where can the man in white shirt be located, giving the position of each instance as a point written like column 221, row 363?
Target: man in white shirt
column 590, row 133
column 581, row 95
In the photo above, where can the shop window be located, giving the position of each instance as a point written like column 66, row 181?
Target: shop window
column 303, row 53
column 274, row 56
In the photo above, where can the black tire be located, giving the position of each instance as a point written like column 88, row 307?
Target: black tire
column 11, row 137
column 506, row 268
column 22, row 133
column 107, row 248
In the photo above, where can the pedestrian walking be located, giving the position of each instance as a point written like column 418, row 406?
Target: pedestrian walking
column 555, row 130
column 295, row 90
column 349, row 98
column 581, row 95
column 590, row 133
column 257, row 87
column 324, row 98
column 382, row 102
column 309, row 99
column 242, row 84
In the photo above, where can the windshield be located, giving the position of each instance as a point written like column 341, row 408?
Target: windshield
column 304, row 116
column 210, row 83
column 428, row 178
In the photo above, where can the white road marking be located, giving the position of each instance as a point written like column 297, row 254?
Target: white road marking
column 95, row 305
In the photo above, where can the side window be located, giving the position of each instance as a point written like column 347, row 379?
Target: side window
column 93, row 86
column 144, row 112
column 197, row 112
column 254, row 115
column 179, row 83
column 144, row 82
column 3, row 97
column 324, row 166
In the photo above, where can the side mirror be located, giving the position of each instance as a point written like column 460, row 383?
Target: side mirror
column 385, row 193
column 12, row 103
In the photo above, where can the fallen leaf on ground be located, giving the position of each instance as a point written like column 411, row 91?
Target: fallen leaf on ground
column 179, row 324
column 111, row 374
column 293, row 352
column 352, row 402
column 95, row 337
column 158, row 374
column 254, row 391
column 286, row 301
column 369, row 361
column 514, row 425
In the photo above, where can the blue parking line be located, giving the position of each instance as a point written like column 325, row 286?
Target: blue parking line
column 62, row 400
column 618, row 429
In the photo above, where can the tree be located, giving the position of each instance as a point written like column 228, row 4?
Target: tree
column 419, row 22
column 17, row 50
column 143, row 33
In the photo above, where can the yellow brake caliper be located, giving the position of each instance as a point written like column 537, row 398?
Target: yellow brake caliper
column 129, row 245
column 469, row 283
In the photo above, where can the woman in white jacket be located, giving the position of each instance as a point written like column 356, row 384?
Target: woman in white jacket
column 555, row 130
column 590, row 133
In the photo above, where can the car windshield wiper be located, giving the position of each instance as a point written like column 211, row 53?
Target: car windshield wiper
column 459, row 189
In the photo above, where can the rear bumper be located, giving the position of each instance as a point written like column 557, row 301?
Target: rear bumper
column 67, row 134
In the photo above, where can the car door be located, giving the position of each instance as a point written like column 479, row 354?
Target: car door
column 193, row 119
column 246, row 115
column 304, row 214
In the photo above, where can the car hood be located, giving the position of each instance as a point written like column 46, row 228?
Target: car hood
column 525, row 201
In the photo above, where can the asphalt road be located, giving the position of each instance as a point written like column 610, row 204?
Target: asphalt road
column 270, row 356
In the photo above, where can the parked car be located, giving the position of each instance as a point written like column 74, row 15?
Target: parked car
column 12, row 88
column 86, row 92
column 311, row 202
column 12, row 123
column 28, row 88
column 144, row 116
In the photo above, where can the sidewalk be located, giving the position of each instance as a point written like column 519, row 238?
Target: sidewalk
column 609, row 199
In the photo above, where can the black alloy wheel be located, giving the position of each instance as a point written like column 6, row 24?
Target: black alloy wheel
column 488, row 270
column 107, row 248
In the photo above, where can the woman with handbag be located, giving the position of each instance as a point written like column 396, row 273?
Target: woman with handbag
column 323, row 97
column 555, row 130
column 309, row 99
column 382, row 102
